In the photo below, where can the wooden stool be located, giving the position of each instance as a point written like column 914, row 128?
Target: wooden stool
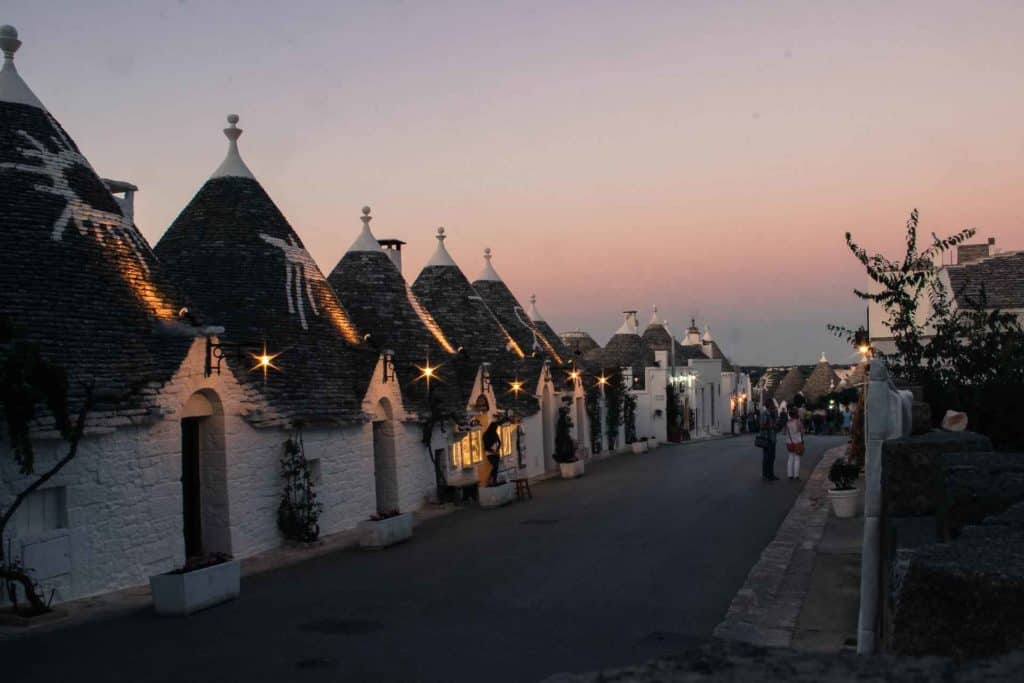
column 523, row 488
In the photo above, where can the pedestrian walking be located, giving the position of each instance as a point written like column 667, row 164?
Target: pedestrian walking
column 766, row 437
column 794, row 444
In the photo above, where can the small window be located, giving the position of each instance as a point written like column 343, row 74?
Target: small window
column 43, row 510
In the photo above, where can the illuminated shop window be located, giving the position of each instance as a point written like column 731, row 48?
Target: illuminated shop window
column 467, row 450
column 507, row 433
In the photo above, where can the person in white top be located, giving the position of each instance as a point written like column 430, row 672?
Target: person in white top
column 794, row 432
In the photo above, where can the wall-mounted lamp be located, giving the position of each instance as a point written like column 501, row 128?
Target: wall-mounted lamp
column 217, row 351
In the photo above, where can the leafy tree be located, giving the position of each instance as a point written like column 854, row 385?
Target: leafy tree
column 965, row 357
column 901, row 284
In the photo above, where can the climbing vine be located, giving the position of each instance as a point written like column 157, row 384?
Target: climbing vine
column 593, row 404
column 299, row 512
column 629, row 416
column 26, row 381
column 613, row 392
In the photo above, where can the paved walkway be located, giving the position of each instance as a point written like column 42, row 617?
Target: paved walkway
column 765, row 610
column 638, row 559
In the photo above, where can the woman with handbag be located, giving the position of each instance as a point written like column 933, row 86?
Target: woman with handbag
column 765, row 440
column 794, row 444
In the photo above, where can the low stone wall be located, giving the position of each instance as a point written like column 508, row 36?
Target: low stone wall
column 953, row 546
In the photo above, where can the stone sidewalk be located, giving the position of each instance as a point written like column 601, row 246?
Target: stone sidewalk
column 766, row 609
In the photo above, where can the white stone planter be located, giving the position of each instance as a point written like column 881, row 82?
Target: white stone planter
column 381, row 533
column 638, row 446
column 496, row 496
column 571, row 470
column 844, row 503
column 182, row 594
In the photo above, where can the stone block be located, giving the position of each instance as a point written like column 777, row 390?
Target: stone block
column 964, row 598
column 911, row 468
column 976, row 486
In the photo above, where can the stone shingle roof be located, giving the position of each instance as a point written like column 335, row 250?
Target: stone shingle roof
column 513, row 317
column 716, row 352
column 239, row 260
column 579, row 342
column 381, row 303
column 822, row 381
column 467, row 322
column 790, row 385
column 78, row 278
column 1001, row 275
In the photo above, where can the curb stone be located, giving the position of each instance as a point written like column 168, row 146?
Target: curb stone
column 764, row 611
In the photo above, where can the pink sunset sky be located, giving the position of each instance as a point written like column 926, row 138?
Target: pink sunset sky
column 704, row 157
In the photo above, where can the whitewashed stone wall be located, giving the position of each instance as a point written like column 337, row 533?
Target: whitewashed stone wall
column 122, row 518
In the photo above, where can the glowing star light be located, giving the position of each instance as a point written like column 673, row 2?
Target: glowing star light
column 264, row 362
column 427, row 372
column 602, row 380
column 515, row 387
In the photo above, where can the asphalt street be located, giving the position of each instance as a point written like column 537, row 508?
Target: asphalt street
column 635, row 560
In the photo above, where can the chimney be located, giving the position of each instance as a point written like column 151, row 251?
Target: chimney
column 971, row 253
column 127, row 199
column 393, row 248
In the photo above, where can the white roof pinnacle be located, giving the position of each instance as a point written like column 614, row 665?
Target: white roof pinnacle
column 366, row 241
column 534, row 314
column 629, row 325
column 823, row 359
column 441, row 256
column 12, row 88
column 654, row 316
column 707, row 334
column 488, row 273
column 233, row 166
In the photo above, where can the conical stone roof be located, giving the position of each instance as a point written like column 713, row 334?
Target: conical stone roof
column 465, row 319
column 822, row 381
column 239, row 260
column 547, row 332
column 78, row 278
column 579, row 342
column 383, row 305
column 790, row 385
column 511, row 314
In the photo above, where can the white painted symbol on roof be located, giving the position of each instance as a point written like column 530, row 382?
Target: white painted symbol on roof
column 54, row 167
column 299, row 269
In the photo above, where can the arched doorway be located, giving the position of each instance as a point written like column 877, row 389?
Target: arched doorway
column 206, row 516
column 385, row 461
column 548, row 415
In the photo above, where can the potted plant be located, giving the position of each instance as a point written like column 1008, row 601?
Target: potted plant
column 570, row 465
column 201, row 582
column 843, row 493
column 386, row 529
